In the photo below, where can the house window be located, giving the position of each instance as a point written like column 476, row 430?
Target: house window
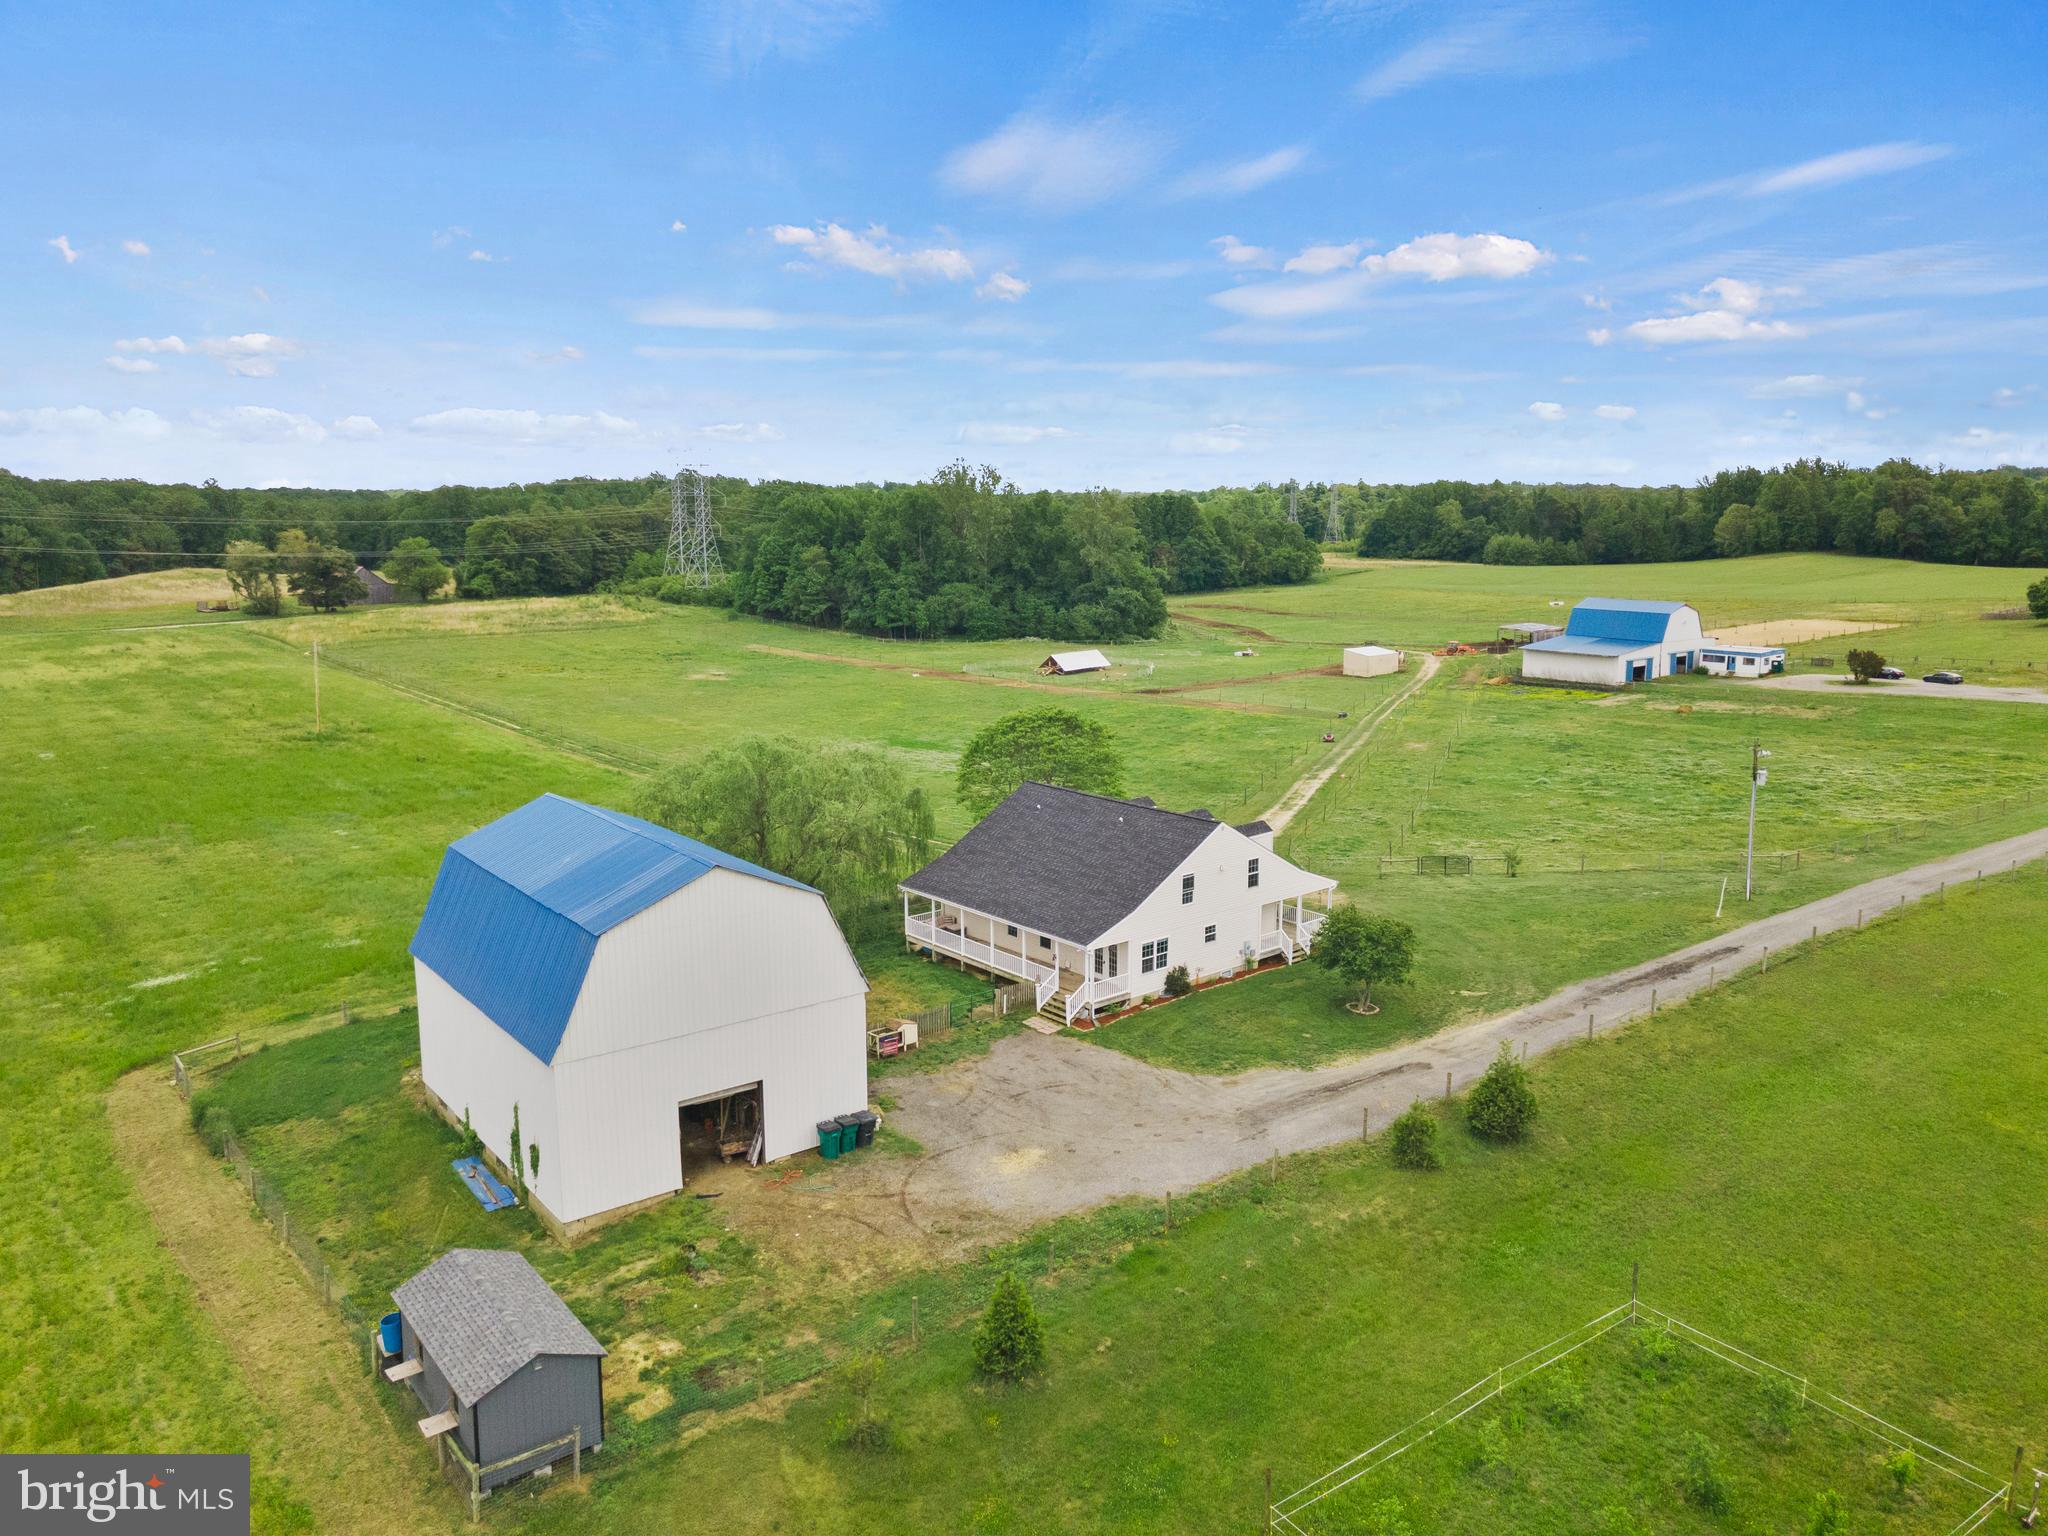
column 1044, row 942
column 1251, row 874
column 1010, row 929
column 1152, row 956
column 1209, row 934
column 1187, row 890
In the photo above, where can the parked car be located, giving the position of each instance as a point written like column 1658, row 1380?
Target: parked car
column 1942, row 677
column 1891, row 674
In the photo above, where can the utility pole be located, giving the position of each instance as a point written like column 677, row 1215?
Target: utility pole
column 1294, row 503
column 1757, row 775
column 692, row 536
column 316, row 687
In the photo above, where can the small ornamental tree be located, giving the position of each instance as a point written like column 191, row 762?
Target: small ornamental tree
column 1009, row 1343
column 1502, row 1105
column 2037, row 599
column 1864, row 665
column 1830, row 1517
column 1178, row 982
column 1412, row 1140
column 1366, row 951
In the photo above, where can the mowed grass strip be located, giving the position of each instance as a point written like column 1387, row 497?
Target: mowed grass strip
column 1830, row 1165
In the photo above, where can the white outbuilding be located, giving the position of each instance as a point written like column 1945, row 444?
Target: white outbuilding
column 1064, row 663
column 1370, row 661
column 1610, row 641
column 620, row 986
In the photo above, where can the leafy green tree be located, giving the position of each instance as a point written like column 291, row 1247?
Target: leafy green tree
column 320, row 575
column 415, row 566
column 1366, row 951
column 1830, row 1516
column 2037, row 598
column 1864, row 664
column 1045, row 746
column 844, row 819
column 1502, row 1105
column 1009, row 1342
column 252, row 573
column 859, row 1426
column 1412, row 1140
column 1700, row 1478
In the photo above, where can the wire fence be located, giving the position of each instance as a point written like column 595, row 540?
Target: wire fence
column 1289, row 1512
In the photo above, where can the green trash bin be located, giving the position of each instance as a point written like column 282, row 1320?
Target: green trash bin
column 828, row 1138
column 849, row 1131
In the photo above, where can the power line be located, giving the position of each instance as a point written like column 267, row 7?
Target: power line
column 189, row 555
column 692, row 537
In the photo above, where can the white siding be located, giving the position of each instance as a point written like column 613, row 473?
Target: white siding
column 470, row 1063
column 1239, row 912
column 730, row 981
column 1370, row 661
column 1565, row 667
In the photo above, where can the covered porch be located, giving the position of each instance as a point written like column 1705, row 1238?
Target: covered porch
column 1051, row 964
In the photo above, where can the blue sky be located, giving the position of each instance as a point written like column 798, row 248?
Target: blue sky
column 1128, row 244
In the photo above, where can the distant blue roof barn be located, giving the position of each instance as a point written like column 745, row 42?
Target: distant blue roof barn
column 1611, row 641
column 619, row 985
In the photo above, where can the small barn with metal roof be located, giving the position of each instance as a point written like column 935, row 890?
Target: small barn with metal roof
column 1609, row 642
column 500, row 1363
column 639, row 998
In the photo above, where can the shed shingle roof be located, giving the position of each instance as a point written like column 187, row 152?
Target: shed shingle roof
column 483, row 1314
column 1062, row 862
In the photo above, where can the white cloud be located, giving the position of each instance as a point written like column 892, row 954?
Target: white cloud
column 83, row 420
column 1546, row 410
column 443, row 238
column 1236, row 177
column 253, row 355
column 522, row 426
column 171, row 344
column 1517, row 40
column 1727, row 309
column 2005, row 397
column 565, row 354
column 875, row 252
column 1600, row 335
column 1849, row 165
column 1800, row 386
column 742, row 432
column 1005, row 286
column 357, row 428
column 131, row 364
column 677, row 226
column 731, row 35
column 260, row 294
column 712, row 317
column 1440, row 258
column 261, row 424
column 1052, row 165
column 481, row 256
column 62, row 246
column 1007, row 434
column 1238, row 254
column 135, row 247
column 1615, row 412
column 1319, row 260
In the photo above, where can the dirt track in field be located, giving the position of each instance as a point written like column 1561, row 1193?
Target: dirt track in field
column 340, row 1453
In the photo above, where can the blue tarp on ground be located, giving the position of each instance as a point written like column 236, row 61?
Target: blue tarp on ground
column 490, row 1194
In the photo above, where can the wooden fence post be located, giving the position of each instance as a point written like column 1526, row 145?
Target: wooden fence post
column 1447, row 1087
column 913, row 1319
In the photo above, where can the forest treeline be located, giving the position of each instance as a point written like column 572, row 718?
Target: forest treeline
column 964, row 553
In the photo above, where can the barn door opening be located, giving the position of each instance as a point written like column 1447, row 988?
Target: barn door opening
column 718, row 1128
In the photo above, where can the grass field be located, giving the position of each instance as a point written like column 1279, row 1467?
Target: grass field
column 193, row 858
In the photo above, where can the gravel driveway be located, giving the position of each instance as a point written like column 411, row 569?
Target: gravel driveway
column 1911, row 687
column 1043, row 1125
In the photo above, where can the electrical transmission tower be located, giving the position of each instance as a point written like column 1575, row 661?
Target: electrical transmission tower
column 1294, row 503
column 692, row 536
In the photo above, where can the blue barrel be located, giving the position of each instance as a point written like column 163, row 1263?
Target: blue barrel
column 394, row 1333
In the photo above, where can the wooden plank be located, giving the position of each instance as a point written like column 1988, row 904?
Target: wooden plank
column 439, row 1424
column 405, row 1370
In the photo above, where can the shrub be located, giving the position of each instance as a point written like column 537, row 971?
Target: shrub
column 472, row 1144
column 858, row 1426
column 1830, row 1517
column 1511, row 861
column 1864, row 665
column 1564, row 1397
column 1009, row 1344
column 1700, row 1479
column 1657, row 1352
column 1502, row 1104
column 2037, row 598
column 1904, row 1467
column 1490, row 1458
column 1778, row 1405
column 1178, row 982
column 1387, row 1518
column 1413, row 1140
column 212, row 1124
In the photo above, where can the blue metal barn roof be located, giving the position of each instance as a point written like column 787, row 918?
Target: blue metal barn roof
column 519, row 906
column 1615, row 618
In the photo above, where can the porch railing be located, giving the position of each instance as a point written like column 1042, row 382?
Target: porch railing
column 982, row 952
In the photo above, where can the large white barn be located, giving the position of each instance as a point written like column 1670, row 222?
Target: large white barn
column 1094, row 899
column 1610, row 641
column 616, row 981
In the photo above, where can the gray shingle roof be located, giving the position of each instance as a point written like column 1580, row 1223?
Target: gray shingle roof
column 483, row 1314
column 1062, row 862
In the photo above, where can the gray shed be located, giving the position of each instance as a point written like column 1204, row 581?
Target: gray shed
column 375, row 588
column 501, row 1353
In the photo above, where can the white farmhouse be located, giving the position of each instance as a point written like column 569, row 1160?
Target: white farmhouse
column 1610, row 641
column 1740, row 660
column 1094, row 899
column 620, row 984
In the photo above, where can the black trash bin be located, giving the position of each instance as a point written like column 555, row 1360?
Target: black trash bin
column 849, row 1132
column 864, row 1125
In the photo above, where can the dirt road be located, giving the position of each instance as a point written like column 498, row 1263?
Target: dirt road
column 1304, row 789
column 1042, row 1125
column 341, row 1453
column 1911, row 688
